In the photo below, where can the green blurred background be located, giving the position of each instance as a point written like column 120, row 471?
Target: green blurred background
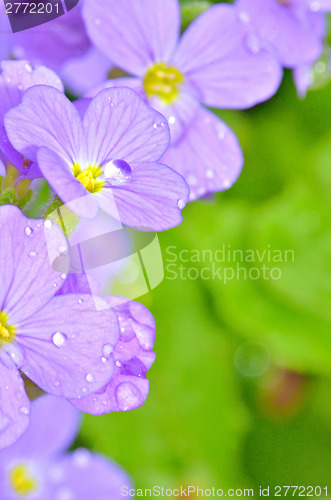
column 240, row 390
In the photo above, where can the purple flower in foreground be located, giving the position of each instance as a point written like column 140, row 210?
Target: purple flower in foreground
column 15, row 78
column 217, row 62
column 56, row 341
column 107, row 158
column 289, row 26
column 133, row 354
column 37, row 466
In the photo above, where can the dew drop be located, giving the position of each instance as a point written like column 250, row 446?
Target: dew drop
column 163, row 124
column 117, row 172
column 181, row 204
column 156, row 125
column 28, row 231
column 89, row 378
column 80, row 301
column 32, row 254
column 24, row 410
column 48, row 224
column 28, row 68
column 118, row 363
column 172, row 120
column 128, row 396
column 59, row 339
column 107, row 350
column 253, row 43
column 63, row 276
column 244, row 16
column 104, row 360
column 57, row 383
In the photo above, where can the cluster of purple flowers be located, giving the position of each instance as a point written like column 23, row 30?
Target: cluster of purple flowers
column 136, row 148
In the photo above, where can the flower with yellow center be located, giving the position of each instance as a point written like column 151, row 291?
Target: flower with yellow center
column 163, row 81
column 21, row 481
column 7, row 332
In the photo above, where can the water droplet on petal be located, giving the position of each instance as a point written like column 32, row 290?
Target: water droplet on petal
column 118, row 363
column 172, row 120
column 253, row 43
column 24, row 410
column 63, row 276
column 163, row 124
column 181, row 204
column 156, row 125
column 128, row 396
column 32, row 254
column 48, row 224
column 28, row 231
column 80, row 301
column 117, row 172
column 59, row 339
column 107, row 350
column 209, row 173
column 89, row 378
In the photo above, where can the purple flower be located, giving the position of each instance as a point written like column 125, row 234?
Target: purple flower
column 107, row 158
column 55, row 341
column 61, row 45
column 15, row 78
column 37, row 465
column 133, row 355
column 217, row 62
column 288, row 26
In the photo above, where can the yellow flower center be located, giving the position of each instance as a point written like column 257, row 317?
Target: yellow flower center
column 21, row 481
column 88, row 177
column 163, row 81
column 7, row 332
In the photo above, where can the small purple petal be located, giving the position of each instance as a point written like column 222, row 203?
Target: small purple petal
column 53, row 428
column 128, row 388
column 62, row 346
column 153, row 198
column 27, row 278
column 85, row 475
column 46, row 118
column 133, row 34
column 15, row 405
column 134, row 135
column 286, row 27
column 208, row 157
column 221, row 60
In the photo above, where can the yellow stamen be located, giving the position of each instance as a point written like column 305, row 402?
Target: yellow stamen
column 7, row 332
column 163, row 81
column 88, row 177
column 21, row 481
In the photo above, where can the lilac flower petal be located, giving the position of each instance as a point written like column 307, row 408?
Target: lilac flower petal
column 286, row 28
column 47, row 118
column 153, row 198
column 15, row 405
column 215, row 55
column 180, row 114
column 85, row 476
column 133, row 34
column 136, row 131
column 53, row 428
column 63, row 346
column 84, row 73
column 27, row 279
column 209, row 157
column 67, row 187
column 2, row 169
column 128, row 388
column 15, row 78
column 53, row 43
